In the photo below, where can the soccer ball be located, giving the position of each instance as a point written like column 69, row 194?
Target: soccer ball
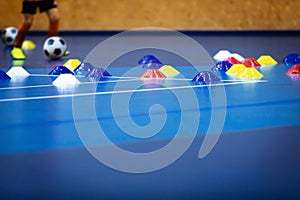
column 8, row 35
column 55, row 47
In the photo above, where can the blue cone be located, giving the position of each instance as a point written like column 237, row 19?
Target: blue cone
column 60, row 70
column 4, row 76
column 98, row 73
column 222, row 66
column 206, row 77
column 292, row 58
column 153, row 65
column 84, row 69
column 150, row 61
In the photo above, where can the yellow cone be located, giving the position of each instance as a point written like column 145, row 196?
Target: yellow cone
column 250, row 73
column 169, row 71
column 236, row 69
column 71, row 64
column 266, row 60
column 28, row 44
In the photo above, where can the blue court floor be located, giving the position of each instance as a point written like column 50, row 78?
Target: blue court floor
column 234, row 139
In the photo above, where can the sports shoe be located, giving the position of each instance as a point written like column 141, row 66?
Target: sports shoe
column 66, row 53
column 17, row 54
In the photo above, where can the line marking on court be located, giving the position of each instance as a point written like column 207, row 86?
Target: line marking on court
column 131, row 77
column 81, row 76
column 122, row 91
column 47, row 75
column 127, row 79
column 25, row 87
column 50, row 85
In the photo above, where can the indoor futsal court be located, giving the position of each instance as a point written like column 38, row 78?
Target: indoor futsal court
column 152, row 113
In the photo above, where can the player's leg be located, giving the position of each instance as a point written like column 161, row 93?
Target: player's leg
column 28, row 11
column 16, row 52
column 23, row 29
column 50, row 8
column 53, row 16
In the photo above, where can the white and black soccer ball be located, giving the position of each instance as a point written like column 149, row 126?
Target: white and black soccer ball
column 9, row 35
column 55, row 47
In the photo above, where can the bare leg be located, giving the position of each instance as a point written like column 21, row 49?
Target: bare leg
column 53, row 16
column 23, row 29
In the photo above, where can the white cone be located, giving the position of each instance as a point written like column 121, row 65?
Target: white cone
column 222, row 55
column 66, row 80
column 17, row 71
column 238, row 57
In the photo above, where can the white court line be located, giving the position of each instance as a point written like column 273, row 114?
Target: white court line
column 131, row 77
column 41, row 86
column 25, row 87
column 234, row 80
column 117, row 92
column 81, row 76
column 43, row 75
column 121, row 77
column 113, row 81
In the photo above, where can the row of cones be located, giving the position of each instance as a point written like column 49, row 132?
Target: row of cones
column 207, row 77
column 245, row 68
column 155, row 69
column 235, row 58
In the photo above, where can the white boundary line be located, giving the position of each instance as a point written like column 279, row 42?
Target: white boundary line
column 127, row 79
column 50, row 85
column 25, row 87
column 119, row 92
column 81, row 76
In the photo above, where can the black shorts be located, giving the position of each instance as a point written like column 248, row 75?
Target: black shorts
column 30, row 7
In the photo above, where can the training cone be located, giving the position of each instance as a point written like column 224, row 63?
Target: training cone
column 4, row 76
column 232, row 60
column 72, row 64
column 266, row 60
column 58, row 70
column 84, row 69
column 17, row 71
column 222, row 55
column 294, row 70
column 206, row 77
column 65, row 81
column 251, row 62
column 150, row 62
column 250, row 73
column 97, row 74
column 292, row 58
column 148, row 59
column 222, row 66
column 153, row 73
column 237, row 56
column 28, row 45
column 153, row 65
column 169, row 71
column 236, row 69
